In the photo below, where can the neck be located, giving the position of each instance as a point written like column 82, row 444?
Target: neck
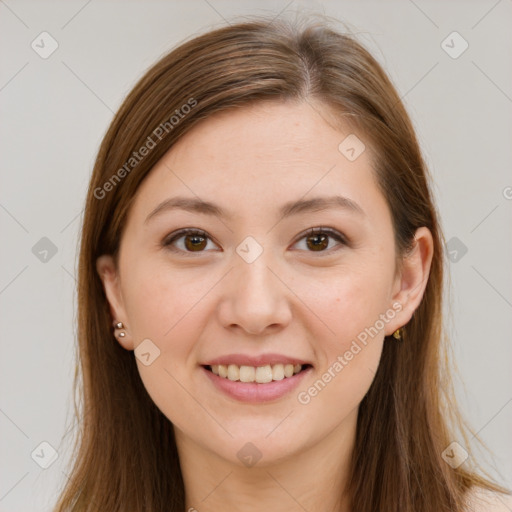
column 313, row 479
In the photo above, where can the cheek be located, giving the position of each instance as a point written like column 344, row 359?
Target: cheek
column 348, row 303
column 167, row 307
column 161, row 301
column 348, row 343
column 349, row 337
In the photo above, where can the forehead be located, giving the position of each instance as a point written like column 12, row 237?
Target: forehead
column 259, row 157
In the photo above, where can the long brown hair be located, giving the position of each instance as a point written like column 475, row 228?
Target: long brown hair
column 125, row 455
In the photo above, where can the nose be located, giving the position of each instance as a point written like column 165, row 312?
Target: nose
column 256, row 299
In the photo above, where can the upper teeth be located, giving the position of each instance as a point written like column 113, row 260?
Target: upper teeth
column 260, row 374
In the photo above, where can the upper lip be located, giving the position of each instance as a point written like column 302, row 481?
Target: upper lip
column 260, row 360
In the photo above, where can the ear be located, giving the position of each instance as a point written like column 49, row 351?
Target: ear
column 411, row 283
column 108, row 272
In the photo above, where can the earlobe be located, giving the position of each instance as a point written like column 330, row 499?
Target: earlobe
column 107, row 270
column 413, row 278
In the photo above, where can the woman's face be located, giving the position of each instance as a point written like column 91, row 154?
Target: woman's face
column 254, row 289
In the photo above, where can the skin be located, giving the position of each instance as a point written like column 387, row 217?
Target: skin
column 292, row 300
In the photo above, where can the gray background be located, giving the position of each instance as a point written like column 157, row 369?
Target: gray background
column 55, row 111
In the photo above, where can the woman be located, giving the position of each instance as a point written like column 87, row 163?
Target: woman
column 260, row 234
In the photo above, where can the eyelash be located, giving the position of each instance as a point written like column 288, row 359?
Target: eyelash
column 197, row 232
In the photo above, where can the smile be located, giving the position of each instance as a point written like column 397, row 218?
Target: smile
column 259, row 374
column 256, row 384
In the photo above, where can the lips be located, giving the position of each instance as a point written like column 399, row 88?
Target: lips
column 261, row 369
column 254, row 392
column 255, row 379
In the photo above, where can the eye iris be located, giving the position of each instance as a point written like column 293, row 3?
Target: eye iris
column 318, row 245
column 199, row 242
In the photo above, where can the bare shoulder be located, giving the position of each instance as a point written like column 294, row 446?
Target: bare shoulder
column 482, row 500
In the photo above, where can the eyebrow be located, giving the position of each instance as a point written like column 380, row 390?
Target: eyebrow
column 195, row 205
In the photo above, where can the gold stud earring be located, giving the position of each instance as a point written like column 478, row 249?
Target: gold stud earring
column 398, row 334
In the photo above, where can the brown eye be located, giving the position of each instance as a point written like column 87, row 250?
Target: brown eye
column 317, row 239
column 317, row 242
column 193, row 241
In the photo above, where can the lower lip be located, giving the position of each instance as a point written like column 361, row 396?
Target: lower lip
column 253, row 392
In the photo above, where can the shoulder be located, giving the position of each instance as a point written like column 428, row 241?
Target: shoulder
column 483, row 500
